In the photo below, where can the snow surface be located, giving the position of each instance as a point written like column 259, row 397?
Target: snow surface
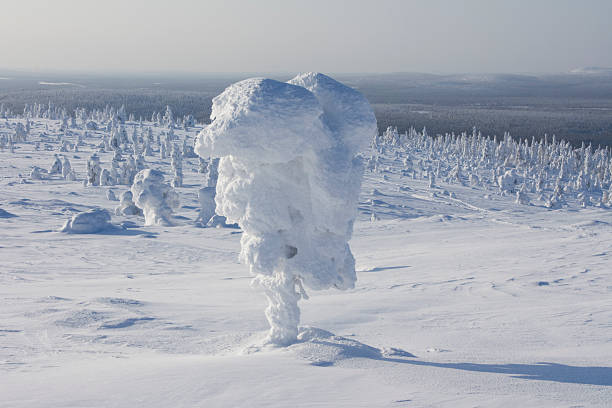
column 460, row 302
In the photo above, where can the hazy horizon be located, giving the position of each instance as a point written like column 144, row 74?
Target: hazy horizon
column 274, row 36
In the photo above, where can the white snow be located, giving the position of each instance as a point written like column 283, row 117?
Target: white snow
column 463, row 298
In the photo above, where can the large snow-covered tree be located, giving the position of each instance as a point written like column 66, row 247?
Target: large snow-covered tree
column 290, row 177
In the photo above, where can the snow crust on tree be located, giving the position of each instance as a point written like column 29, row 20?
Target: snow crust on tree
column 156, row 198
column 289, row 176
column 88, row 222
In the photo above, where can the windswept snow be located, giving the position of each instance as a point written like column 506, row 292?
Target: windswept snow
column 464, row 297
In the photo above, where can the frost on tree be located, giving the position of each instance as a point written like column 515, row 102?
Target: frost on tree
column 289, row 175
column 156, row 198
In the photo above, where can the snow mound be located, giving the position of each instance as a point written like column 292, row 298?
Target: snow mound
column 219, row 221
column 88, row 222
column 323, row 348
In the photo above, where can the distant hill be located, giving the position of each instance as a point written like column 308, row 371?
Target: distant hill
column 592, row 71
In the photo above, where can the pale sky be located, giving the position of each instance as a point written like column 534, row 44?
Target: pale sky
column 440, row 36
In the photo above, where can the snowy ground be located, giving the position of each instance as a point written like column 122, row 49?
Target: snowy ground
column 465, row 301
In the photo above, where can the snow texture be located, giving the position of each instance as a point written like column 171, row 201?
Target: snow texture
column 464, row 298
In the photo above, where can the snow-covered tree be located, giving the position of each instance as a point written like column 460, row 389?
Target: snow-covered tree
column 67, row 171
column 126, row 205
column 176, row 161
column 93, row 170
column 290, row 177
column 56, row 166
column 155, row 198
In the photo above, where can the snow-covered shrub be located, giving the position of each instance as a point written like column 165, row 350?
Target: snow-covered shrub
column 110, row 195
column 522, row 197
column 162, row 151
column 128, row 171
column 290, row 177
column 37, row 173
column 584, row 199
column 147, row 148
column 432, row 179
column 67, row 172
column 21, row 133
column 156, row 199
column 88, row 222
column 508, row 182
column 126, row 205
column 56, row 166
column 106, row 179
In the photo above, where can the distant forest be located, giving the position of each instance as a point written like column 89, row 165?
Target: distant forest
column 575, row 107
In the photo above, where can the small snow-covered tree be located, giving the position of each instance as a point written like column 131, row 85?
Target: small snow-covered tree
column 36, row 173
column 155, row 198
column 128, row 171
column 93, row 170
column 168, row 117
column 21, row 133
column 432, row 179
column 56, row 167
column 162, row 151
column 126, row 205
column 521, row 196
column 206, row 197
column 106, row 179
column 176, row 161
column 67, row 171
